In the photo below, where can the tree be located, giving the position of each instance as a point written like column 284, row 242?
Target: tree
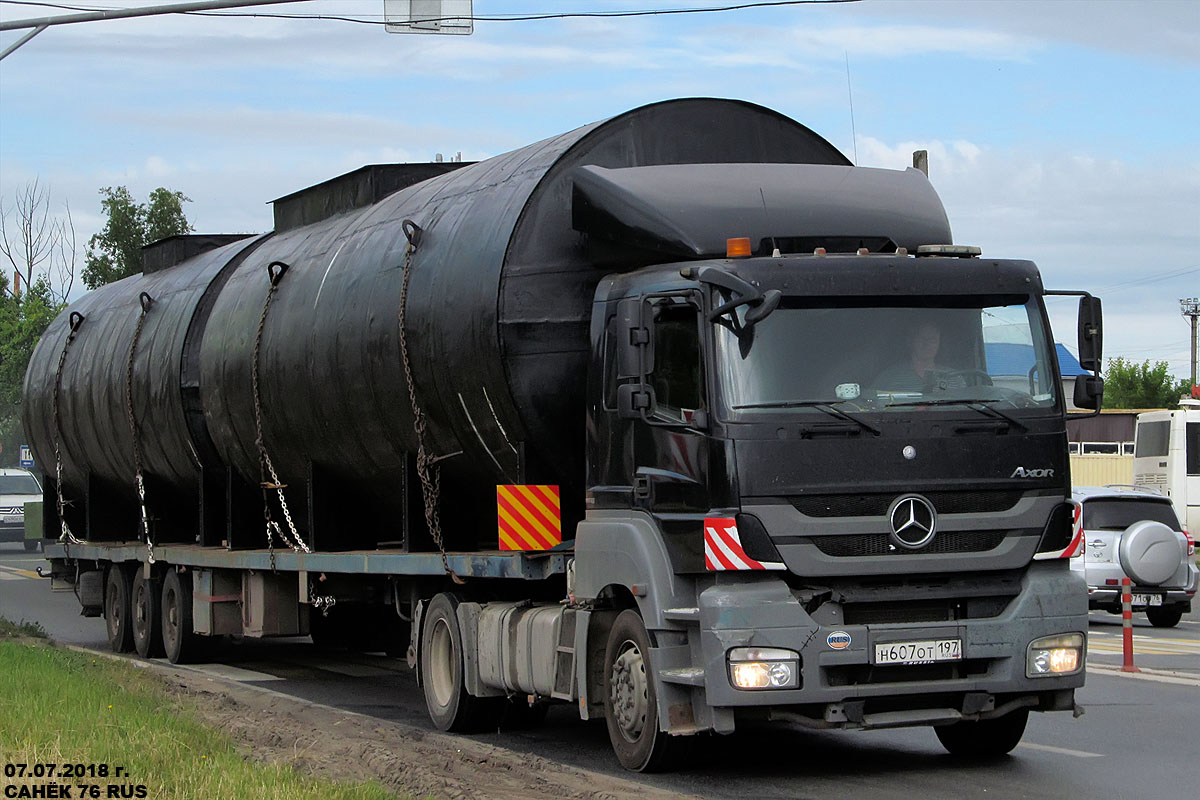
column 1131, row 385
column 116, row 251
column 40, row 250
column 36, row 244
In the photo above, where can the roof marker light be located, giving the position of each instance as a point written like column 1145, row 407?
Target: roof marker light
column 820, row 251
column 737, row 248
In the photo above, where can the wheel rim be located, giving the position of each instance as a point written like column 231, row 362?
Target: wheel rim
column 441, row 663
column 170, row 614
column 630, row 692
column 141, row 627
column 114, row 611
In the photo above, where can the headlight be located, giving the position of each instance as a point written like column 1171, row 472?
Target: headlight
column 1054, row 655
column 764, row 668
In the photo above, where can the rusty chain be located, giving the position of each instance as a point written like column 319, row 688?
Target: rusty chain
column 146, row 301
column 269, row 479
column 66, row 536
column 427, row 469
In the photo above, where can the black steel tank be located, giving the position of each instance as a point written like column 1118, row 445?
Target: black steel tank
column 497, row 308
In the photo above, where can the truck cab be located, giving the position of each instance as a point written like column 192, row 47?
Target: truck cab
column 822, row 531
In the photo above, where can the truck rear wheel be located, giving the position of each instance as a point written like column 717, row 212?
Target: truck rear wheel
column 117, row 609
column 147, row 617
column 985, row 737
column 631, row 701
column 180, row 641
column 450, row 706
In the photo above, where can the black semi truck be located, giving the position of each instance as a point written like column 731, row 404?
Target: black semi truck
column 678, row 417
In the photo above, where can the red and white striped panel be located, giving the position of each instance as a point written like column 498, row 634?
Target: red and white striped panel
column 1077, row 545
column 723, row 548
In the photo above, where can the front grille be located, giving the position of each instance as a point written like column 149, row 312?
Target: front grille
column 878, row 544
column 914, row 611
column 869, row 674
column 877, row 504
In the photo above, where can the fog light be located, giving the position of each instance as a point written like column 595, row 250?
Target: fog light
column 764, row 668
column 1054, row 655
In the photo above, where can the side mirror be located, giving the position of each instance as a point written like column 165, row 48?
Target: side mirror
column 634, row 400
column 635, row 345
column 1091, row 337
column 1089, row 391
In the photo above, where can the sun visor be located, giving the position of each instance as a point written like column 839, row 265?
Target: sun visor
column 689, row 210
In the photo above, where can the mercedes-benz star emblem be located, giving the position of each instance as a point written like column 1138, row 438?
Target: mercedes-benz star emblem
column 913, row 521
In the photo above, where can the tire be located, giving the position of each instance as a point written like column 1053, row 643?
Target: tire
column 180, row 641
column 117, row 616
column 450, row 706
column 146, row 617
column 1164, row 616
column 985, row 738
column 631, row 701
column 31, row 545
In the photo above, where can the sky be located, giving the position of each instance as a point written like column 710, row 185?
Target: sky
column 1063, row 132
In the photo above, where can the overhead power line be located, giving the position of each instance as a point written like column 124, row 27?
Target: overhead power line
column 479, row 17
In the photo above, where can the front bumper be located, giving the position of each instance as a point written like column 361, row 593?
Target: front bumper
column 12, row 531
column 842, row 687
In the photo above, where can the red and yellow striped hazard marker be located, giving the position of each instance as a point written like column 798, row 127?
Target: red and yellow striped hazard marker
column 528, row 517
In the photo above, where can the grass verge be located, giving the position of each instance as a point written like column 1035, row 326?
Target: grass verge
column 63, row 707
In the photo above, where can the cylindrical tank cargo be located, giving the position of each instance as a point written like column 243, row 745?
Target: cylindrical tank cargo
column 93, row 399
column 497, row 312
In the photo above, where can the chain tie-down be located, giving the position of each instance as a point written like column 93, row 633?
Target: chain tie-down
column 269, row 479
column 65, row 537
column 146, row 301
column 427, row 470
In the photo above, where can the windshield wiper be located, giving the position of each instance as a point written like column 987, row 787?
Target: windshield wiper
column 827, row 406
column 979, row 406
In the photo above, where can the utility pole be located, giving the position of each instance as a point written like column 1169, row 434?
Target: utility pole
column 1190, row 306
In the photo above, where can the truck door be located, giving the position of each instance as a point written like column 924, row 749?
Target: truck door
column 670, row 454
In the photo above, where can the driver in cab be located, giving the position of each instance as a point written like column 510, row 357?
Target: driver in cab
column 919, row 369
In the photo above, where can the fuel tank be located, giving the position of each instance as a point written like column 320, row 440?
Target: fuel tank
column 496, row 315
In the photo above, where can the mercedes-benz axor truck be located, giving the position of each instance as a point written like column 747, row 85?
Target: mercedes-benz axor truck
column 679, row 418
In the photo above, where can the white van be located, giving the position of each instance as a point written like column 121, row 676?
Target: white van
column 1166, row 457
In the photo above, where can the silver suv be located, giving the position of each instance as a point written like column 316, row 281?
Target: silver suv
column 17, row 487
column 1133, row 532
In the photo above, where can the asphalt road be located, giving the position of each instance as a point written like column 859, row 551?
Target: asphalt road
column 1139, row 737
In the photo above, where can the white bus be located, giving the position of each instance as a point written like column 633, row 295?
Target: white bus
column 1166, row 457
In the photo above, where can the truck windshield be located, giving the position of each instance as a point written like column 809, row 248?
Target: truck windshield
column 875, row 354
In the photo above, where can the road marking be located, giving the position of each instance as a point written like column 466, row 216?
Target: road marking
column 1060, row 750
column 5, row 576
column 227, row 672
column 24, row 573
column 346, row 668
column 1161, row 676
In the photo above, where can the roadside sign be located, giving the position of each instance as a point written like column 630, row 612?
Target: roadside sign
column 26, row 459
column 428, row 16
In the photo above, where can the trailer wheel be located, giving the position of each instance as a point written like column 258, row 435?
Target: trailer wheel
column 450, row 706
column 117, row 609
column 984, row 738
column 631, row 701
column 180, row 641
column 147, row 617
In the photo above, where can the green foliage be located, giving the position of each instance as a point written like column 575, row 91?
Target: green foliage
column 1128, row 384
column 22, row 321
column 116, row 251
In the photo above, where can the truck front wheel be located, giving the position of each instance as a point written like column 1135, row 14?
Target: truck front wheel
column 985, row 737
column 450, row 706
column 116, row 609
column 631, row 701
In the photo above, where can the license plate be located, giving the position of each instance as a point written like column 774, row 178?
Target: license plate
column 918, row 652
column 13, row 518
column 1147, row 600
